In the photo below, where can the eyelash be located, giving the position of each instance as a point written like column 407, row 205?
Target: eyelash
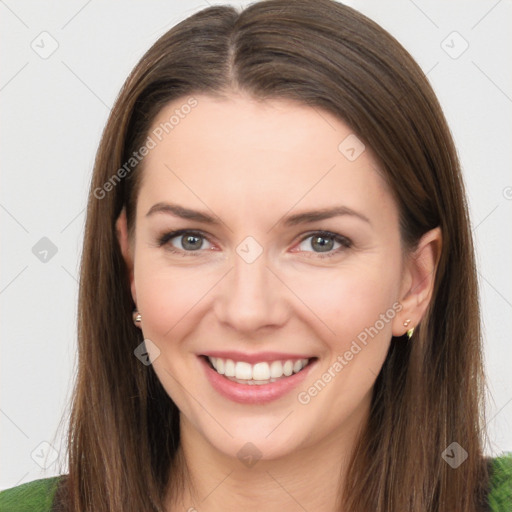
column 343, row 241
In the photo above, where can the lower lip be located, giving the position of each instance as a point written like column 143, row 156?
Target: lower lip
column 257, row 393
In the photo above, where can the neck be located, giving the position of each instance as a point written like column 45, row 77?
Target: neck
column 309, row 478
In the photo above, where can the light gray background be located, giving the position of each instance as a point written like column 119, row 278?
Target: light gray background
column 53, row 111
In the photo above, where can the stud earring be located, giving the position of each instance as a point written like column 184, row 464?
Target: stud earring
column 137, row 318
column 410, row 331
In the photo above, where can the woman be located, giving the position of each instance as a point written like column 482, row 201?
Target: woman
column 278, row 300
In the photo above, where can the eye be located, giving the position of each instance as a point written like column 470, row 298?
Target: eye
column 324, row 242
column 184, row 241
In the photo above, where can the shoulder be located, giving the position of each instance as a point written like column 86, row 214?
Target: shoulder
column 35, row 496
column 500, row 483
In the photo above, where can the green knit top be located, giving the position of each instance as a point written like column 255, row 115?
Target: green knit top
column 37, row 496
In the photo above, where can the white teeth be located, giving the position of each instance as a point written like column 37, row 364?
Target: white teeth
column 288, row 368
column 276, row 369
column 229, row 368
column 243, row 370
column 259, row 373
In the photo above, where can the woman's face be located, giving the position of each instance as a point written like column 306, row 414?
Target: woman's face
column 288, row 250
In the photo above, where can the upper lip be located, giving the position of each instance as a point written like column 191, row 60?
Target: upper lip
column 254, row 358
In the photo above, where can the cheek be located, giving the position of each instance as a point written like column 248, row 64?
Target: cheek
column 358, row 307
column 166, row 296
column 169, row 301
column 349, row 302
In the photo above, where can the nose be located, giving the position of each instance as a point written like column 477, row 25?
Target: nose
column 251, row 297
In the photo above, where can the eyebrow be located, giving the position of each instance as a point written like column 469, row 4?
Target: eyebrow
column 291, row 220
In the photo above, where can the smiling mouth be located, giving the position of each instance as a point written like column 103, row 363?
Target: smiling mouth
column 261, row 373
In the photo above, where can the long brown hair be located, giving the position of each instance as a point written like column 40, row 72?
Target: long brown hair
column 124, row 428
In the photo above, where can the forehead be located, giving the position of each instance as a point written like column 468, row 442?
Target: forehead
column 281, row 129
column 258, row 154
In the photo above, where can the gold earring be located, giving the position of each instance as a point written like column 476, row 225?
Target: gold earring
column 137, row 318
column 410, row 331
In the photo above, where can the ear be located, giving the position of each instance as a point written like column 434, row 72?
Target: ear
column 126, row 248
column 418, row 281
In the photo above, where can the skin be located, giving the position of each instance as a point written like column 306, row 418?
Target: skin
column 250, row 164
